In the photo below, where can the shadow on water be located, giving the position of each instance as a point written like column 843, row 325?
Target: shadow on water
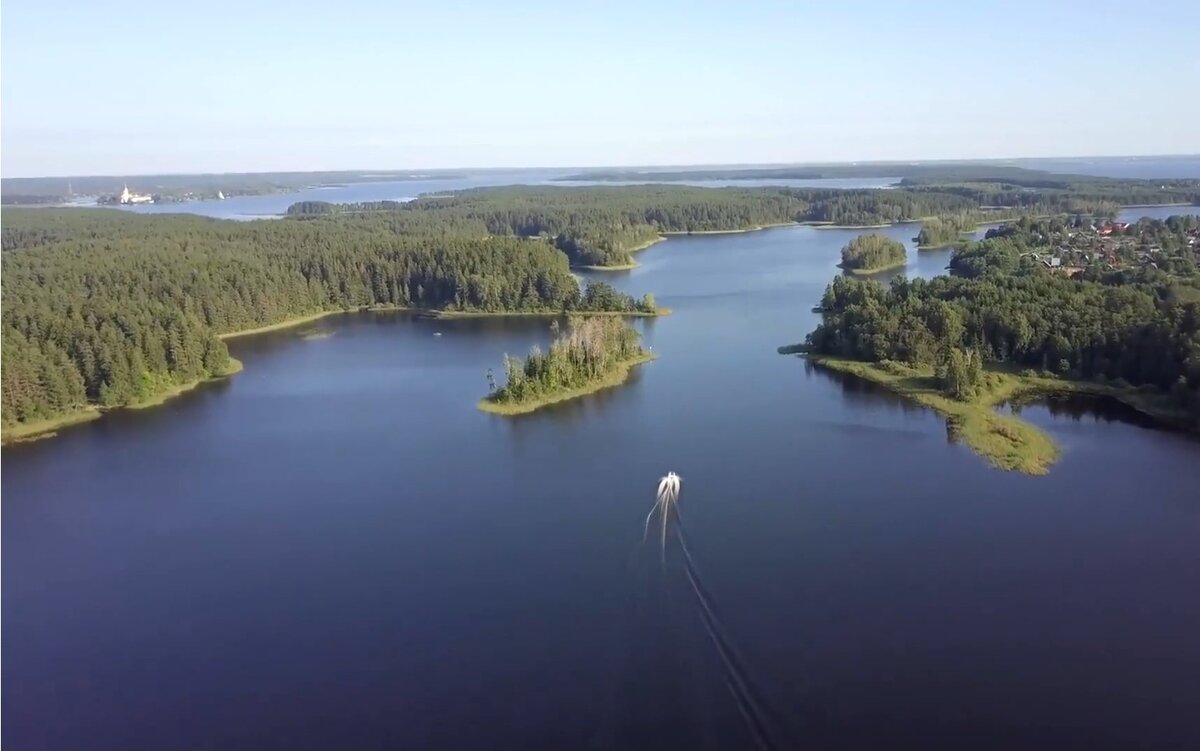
column 859, row 391
column 1079, row 408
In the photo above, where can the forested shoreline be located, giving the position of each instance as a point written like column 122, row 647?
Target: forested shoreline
column 107, row 309
column 1126, row 324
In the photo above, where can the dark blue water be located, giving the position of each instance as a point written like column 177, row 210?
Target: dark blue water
column 336, row 549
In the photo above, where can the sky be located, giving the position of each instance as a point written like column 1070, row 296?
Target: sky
column 217, row 86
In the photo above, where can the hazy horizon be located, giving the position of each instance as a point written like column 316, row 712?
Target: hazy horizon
column 263, row 86
column 472, row 168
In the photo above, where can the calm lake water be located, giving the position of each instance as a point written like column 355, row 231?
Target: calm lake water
column 336, row 549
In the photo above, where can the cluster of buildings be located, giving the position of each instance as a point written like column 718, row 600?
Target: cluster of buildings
column 1109, row 245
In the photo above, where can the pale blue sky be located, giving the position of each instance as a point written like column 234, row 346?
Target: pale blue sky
column 124, row 88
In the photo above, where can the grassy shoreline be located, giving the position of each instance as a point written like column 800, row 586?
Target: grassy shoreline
column 439, row 313
column 678, row 233
column 617, row 377
column 48, row 428
column 289, row 323
column 642, row 246
column 874, row 269
column 34, row 431
column 235, row 366
column 830, row 225
column 618, row 267
column 452, row 314
column 1005, row 441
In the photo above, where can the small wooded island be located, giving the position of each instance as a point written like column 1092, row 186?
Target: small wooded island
column 867, row 254
column 593, row 353
column 1039, row 307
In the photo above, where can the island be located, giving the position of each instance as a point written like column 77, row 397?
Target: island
column 1039, row 307
column 591, row 354
column 867, row 254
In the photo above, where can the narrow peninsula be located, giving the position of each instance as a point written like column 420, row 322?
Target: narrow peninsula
column 592, row 354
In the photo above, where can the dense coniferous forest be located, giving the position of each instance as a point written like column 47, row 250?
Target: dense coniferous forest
column 594, row 226
column 878, row 207
column 108, row 308
column 872, row 252
column 589, row 349
column 1138, row 325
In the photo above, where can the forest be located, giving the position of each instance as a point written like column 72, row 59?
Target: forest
column 108, row 308
column 1136, row 327
column 587, row 352
column 594, row 226
column 867, row 253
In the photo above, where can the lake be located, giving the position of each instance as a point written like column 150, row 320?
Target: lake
column 336, row 549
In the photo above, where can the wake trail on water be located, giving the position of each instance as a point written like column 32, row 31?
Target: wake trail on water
column 761, row 722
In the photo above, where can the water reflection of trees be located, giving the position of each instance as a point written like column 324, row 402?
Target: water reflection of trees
column 1077, row 407
column 859, row 391
column 570, row 413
